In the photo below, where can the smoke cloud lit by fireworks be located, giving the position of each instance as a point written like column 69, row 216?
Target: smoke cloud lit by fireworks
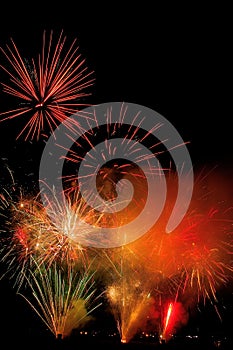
column 180, row 269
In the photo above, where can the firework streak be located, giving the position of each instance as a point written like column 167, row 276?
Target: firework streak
column 48, row 89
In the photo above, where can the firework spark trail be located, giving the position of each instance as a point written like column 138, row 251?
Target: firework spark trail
column 120, row 134
column 137, row 295
column 14, row 244
column 174, row 317
column 168, row 317
column 76, row 219
column 64, row 300
column 49, row 269
column 50, row 89
column 187, row 266
column 128, row 294
column 31, row 235
column 194, row 260
column 20, row 242
column 142, row 269
column 130, row 146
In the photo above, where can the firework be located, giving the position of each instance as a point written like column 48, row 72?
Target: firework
column 48, row 89
column 191, row 264
column 174, row 317
column 181, row 269
column 63, row 299
column 33, row 235
column 116, row 185
column 129, row 295
column 157, row 277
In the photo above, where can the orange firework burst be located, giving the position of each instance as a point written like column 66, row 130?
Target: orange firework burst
column 33, row 235
column 49, row 89
column 129, row 293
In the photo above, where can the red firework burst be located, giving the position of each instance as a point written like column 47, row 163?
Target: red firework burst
column 49, row 88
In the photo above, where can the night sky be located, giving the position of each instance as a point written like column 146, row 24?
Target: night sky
column 176, row 61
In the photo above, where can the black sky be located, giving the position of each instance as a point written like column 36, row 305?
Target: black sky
column 175, row 60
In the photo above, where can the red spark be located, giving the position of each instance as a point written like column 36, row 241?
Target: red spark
column 49, row 89
column 21, row 236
